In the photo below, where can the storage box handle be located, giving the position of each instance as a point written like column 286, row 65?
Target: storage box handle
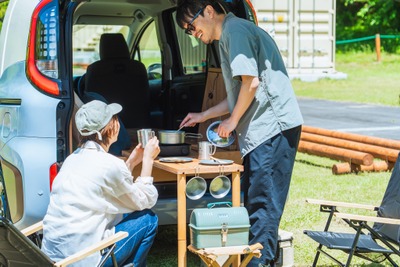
column 217, row 204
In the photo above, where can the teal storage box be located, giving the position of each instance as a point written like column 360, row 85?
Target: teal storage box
column 219, row 227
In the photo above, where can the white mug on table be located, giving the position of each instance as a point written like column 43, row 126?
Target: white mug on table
column 206, row 150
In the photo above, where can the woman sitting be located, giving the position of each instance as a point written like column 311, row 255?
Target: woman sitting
column 94, row 195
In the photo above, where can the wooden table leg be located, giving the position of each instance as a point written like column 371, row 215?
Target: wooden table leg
column 181, row 214
column 236, row 202
column 236, row 189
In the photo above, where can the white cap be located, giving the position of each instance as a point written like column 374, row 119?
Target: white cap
column 94, row 116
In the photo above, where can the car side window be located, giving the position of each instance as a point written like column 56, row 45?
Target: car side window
column 193, row 52
column 149, row 52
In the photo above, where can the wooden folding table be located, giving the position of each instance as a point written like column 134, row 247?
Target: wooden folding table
column 181, row 170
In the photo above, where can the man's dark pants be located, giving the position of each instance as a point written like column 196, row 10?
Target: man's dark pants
column 266, row 181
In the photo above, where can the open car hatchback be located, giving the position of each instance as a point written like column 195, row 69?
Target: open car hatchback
column 57, row 54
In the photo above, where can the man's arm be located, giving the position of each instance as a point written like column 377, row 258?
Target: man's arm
column 246, row 96
column 218, row 110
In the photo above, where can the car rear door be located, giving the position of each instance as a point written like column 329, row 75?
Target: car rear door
column 34, row 107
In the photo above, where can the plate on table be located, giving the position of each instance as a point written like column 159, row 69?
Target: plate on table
column 176, row 159
column 216, row 161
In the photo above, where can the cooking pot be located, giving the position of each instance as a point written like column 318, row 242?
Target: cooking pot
column 174, row 137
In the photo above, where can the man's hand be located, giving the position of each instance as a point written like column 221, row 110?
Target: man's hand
column 192, row 119
column 227, row 127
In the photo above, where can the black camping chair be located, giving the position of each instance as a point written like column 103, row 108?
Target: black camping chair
column 16, row 249
column 375, row 243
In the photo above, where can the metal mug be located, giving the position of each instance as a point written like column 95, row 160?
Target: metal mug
column 206, row 150
column 144, row 135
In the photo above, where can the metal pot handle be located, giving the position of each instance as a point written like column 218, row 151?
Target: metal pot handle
column 194, row 135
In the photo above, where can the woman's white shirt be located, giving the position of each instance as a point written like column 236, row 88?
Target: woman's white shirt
column 89, row 195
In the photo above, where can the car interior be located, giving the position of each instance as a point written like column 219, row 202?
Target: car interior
column 125, row 76
column 135, row 54
column 128, row 65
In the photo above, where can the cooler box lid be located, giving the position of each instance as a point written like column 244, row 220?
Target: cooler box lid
column 214, row 218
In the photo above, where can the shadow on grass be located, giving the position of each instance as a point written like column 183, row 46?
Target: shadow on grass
column 313, row 164
column 164, row 251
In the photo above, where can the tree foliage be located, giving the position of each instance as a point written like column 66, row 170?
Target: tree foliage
column 3, row 7
column 363, row 18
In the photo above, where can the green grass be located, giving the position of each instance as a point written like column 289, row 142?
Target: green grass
column 368, row 82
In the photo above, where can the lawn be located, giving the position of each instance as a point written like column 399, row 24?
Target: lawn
column 368, row 82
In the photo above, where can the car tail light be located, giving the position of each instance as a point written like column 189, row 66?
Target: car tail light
column 42, row 65
column 53, row 171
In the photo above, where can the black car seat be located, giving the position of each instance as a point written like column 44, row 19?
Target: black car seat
column 120, row 79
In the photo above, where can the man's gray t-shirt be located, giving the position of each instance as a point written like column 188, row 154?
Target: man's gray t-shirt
column 247, row 49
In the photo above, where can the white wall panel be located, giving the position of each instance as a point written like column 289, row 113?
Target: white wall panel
column 304, row 31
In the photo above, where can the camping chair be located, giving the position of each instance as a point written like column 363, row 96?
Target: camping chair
column 17, row 249
column 381, row 240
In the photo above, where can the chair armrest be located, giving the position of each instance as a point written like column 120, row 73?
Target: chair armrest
column 33, row 228
column 363, row 218
column 341, row 204
column 90, row 250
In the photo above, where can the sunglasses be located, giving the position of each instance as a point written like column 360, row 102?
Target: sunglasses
column 190, row 28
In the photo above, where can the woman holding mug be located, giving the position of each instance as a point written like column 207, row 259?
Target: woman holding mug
column 94, row 195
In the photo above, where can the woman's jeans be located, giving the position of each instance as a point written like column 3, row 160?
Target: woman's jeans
column 142, row 228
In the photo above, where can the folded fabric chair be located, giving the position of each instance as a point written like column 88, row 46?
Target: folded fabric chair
column 16, row 249
column 375, row 243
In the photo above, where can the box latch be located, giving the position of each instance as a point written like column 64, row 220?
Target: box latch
column 224, row 234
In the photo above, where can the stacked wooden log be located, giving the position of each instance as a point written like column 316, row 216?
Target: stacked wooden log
column 357, row 152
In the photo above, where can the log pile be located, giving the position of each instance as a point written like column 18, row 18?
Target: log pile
column 358, row 153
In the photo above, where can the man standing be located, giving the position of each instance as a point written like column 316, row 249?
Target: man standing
column 263, row 111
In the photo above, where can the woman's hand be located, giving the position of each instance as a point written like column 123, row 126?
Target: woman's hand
column 152, row 149
column 135, row 157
